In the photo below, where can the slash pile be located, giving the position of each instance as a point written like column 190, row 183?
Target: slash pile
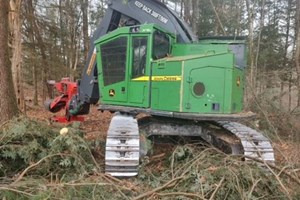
column 38, row 162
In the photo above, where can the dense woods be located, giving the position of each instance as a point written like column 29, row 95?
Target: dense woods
column 47, row 40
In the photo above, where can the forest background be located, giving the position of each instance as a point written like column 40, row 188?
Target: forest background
column 50, row 39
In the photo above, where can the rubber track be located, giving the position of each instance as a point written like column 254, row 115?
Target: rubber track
column 254, row 143
column 122, row 149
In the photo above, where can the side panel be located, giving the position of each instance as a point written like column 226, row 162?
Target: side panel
column 207, row 84
column 197, row 49
column 166, row 86
column 205, row 88
column 210, row 85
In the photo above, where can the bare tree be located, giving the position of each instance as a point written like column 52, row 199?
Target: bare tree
column 187, row 11
column 261, row 27
column 8, row 103
column 286, row 46
column 251, row 18
column 16, row 45
column 297, row 54
column 217, row 19
column 195, row 15
column 85, row 30
column 41, row 45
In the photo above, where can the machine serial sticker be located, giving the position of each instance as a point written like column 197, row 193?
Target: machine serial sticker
column 158, row 78
column 151, row 12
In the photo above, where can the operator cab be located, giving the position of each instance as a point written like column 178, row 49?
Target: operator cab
column 125, row 57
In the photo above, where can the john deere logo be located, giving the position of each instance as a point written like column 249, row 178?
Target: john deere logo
column 158, row 78
column 112, row 93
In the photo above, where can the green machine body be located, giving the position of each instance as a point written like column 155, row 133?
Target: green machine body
column 142, row 67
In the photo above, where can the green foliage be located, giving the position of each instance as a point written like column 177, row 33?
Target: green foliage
column 24, row 142
column 204, row 169
column 206, row 173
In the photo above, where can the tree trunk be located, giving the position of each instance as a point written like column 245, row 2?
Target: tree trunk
column 250, row 13
column 181, row 8
column 285, row 60
column 8, row 103
column 62, row 31
column 195, row 16
column 297, row 54
column 40, row 44
column 16, row 44
column 238, row 17
column 85, row 26
column 250, row 90
column 33, row 54
column 218, row 20
column 187, row 11
column 261, row 26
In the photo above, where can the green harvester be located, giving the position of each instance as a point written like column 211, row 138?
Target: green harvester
column 143, row 67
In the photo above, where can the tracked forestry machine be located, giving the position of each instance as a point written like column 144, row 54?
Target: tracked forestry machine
column 146, row 60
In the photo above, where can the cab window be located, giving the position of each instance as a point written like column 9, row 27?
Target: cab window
column 139, row 56
column 161, row 45
column 114, row 54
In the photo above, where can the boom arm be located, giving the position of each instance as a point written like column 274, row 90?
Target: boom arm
column 119, row 14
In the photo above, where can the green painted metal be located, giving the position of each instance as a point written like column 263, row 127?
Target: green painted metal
column 193, row 78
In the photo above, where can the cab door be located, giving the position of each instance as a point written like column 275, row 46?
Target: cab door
column 113, row 76
column 139, row 81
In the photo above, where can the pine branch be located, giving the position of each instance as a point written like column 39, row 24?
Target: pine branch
column 159, row 188
column 34, row 165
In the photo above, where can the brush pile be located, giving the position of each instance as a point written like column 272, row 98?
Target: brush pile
column 40, row 162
